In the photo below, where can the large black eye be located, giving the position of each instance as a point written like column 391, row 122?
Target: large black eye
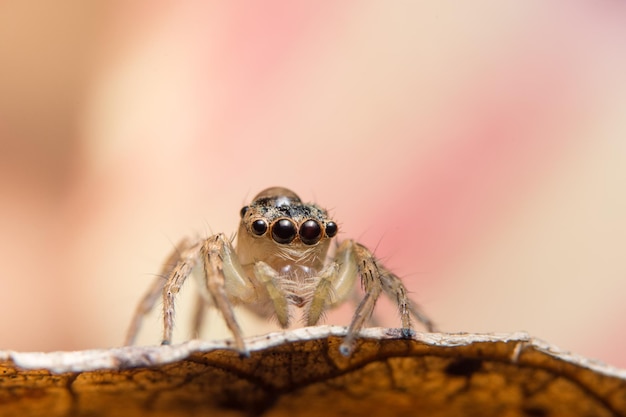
column 243, row 211
column 310, row 232
column 259, row 227
column 283, row 231
column 331, row 229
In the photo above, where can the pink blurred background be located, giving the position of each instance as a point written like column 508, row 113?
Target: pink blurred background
column 481, row 148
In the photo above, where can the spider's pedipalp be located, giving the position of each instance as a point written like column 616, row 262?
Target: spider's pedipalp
column 324, row 294
column 268, row 278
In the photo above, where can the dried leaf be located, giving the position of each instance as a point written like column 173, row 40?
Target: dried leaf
column 302, row 372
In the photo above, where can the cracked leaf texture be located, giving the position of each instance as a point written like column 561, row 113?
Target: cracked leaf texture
column 302, row 373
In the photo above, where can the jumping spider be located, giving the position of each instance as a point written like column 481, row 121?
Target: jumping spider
column 280, row 264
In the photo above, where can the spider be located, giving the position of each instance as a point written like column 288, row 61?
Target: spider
column 280, row 265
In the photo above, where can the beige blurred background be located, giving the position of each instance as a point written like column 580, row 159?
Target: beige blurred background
column 479, row 147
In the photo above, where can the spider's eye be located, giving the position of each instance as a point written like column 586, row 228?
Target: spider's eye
column 331, row 229
column 259, row 227
column 310, row 232
column 243, row 211
column 283, row 231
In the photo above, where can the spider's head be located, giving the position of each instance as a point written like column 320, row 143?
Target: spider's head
column 278, row 224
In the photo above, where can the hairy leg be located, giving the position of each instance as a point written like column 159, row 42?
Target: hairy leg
column 146, row 304
column 396, row 291
column 369, row 271
column 375, row 279
column 199, row 313
column 187, row 261
column 226, row 282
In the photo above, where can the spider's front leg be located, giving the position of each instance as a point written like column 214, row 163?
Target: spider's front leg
column 149, row 299
column 375, row 279
column 225, row 281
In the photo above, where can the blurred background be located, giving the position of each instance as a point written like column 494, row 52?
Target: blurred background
column 479, row 147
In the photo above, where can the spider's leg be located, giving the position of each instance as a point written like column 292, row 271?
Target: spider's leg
column 396, row 291
column 374, row 321
column 367, row 267
column 149, row 299
column 199, row 313
column 375, row 278
column 417, row 312
column 144, row 307
column 175, row 280
column 226, row 281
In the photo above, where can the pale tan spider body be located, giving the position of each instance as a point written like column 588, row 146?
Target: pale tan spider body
column 281, row 264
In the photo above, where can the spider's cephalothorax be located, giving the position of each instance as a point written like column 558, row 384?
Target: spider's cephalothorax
column 280, row 265
column 291, row 237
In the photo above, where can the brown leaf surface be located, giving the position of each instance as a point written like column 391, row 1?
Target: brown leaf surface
column 301, row 372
